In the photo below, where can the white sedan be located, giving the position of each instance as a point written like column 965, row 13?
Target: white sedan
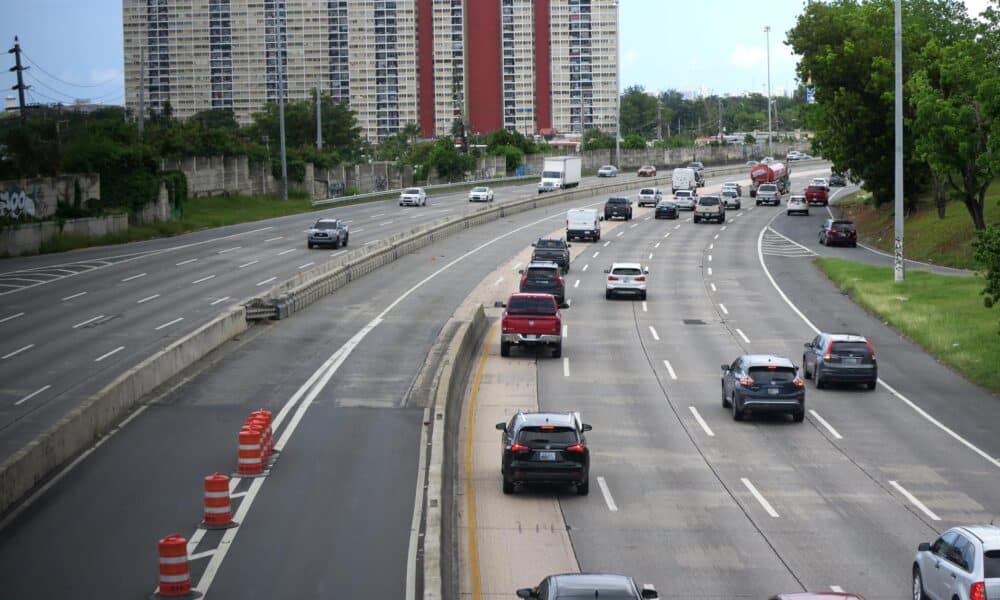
column 481, row 194
column 608, row 171
column 414, row 196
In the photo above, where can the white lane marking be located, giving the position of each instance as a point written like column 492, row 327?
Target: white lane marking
column 337, row 253
column 308, row 264
column 633, row 225
column 14, row 316
column 837, row 588
column 284, row 252
column 650, row 256
column 716, row 237
column 565, row 330
column 760, row 257
column 371, row 242
column 516, row 267
column 275, row 239
column 238, row 247
column 644, row 307
column 585, row 267
column 201, row 555
column 223, row 299
column 711, row 246
column 498, row 281
column 607, row 243
column 378, row 215
column 357, row 231
column 76, row 295
column 577, row 283
column 670, row 369
column 133, row 277
column 107, row 354
column 743, row 335
column 722, row 307
column 712, row 285
column 168, row 324
column 566, row 367
column 709, row 271
column 760, row 498
column 678, row 226
column 652, row 331
column 913, row 500
column 596, row 254
column 203, row 279
column 657, row 245
column 687, row 220
column 789, row 240
column 418, row 512
column 186, row 262
column 723, row 228
column 621, row 233
column 709, row 258
column 607, row 495
column 385, row 223
column 738, row 215
column 646, row 219
column 147, row 299
column 32, row 395
column 238, row 495
column 88, row 321
column 16, row 352
column 823, row 422
column 266, row 281
column 732, row 220
column 704, row 425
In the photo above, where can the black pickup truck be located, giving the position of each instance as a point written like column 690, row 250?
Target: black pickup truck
column 618, row 207
column 552, row 250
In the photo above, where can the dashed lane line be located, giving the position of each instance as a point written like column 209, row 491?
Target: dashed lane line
column 169, row 323
column 697, row 417
column 16, row 352
column 76, row 295
column 88, row 321
column 186, row 262
column 760, row 498
column 219, row 301
column 742, row 335
column 723, row 308
column 670, row 369
column 822, row 421
column 566, row 366
column 32, row 395
column 652, row 332
column 203, row 279
column 134, row 277
column 111, row 353
column 266, row 281
column 11, row 317
column 607, row 494
column 914, row 501
column 147, row 299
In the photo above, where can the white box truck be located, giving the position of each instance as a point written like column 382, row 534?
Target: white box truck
column 559, row 173
column 583, row 223
column 683, row 178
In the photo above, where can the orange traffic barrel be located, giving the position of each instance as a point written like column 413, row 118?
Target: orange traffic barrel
column 266, row 415
column 175, row 579
column 265, row 425
column 218, row 512
column 250, row 461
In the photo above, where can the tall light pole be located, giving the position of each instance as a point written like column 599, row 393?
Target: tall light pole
column 281, row 108
column 897, row 256
column 767, row 33
column 618, row 86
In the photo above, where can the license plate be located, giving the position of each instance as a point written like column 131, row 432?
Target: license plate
column 531, row 336
column 773, row 391
column 851, row 361
column 546, row 456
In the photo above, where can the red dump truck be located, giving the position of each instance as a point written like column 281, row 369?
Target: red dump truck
column 776, row 173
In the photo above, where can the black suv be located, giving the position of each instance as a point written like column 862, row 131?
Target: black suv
column 836, row 231
column 589, row 585
column 544, row 448
column 552, row 250
column 618, row 207
column 764, row 383
column 840, row 358
column 837, row 180
column 544, row 278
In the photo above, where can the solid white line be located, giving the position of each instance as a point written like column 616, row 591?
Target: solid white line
column 644, row 307
column 837, row 588
column 823, row 422
column 566, row 367
column 147, row 299
column 712, row 285
column 565, row 331
column 743, row 335
column 704, row 425
column 607, row 243
column 418, row 510
column 31, row 395
column 670, row 369
column 284, row 252
column 274, row 239
column 107, row 354
column 577, row 283
column 245, row 265
column 77, row 295
column 596, row 254
column 238, row 247
column 657, row 245
column 203, row 279
column 133, row 277
column 18, row 351
column 186, row 262
column 88, row 321
column 892, row 390
column 308, row 264
column 913, row 500
column 585, row 267
column 607, row 495
column 722, row 307
column 11, row 317
column 266, row 281
column 219, row 300
column 763, row 501
column 652, row 332
column 177, row 320
column 498, row 281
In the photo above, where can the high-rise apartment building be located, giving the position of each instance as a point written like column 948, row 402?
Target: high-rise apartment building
column 530, row 65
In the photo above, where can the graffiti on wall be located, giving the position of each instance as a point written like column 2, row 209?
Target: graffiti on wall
column 15, row 202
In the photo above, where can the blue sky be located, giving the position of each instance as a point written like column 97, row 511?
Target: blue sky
column 74, row 47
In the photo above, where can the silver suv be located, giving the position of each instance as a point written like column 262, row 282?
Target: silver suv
column 963, row 563
column 710, row 208
column 768, row 193
column 649, row 196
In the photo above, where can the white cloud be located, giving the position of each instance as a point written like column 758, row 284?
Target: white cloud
column 975, row 7
column 744, row 57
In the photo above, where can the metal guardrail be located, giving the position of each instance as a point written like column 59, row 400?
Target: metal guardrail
column 437, row 186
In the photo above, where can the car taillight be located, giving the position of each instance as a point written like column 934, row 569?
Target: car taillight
column 798, row 383
column 828, row 353
column 746, row 381
column 519, row 448
column 977, row 591
column 576, row 448
column 561, row 280
column 524, row 279
column 870, row 348
column 641, row 278
column 612, row 278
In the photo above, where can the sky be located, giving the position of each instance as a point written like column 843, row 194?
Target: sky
column 74, row 47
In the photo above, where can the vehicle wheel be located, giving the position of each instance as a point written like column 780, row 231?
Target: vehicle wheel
column 738, row 205
column 871, row 385
column 309, row 245
column 583, row 488
column 737, row 411
column 918, row 584
column 508, row 486
column 758, row 203
column 788, row 213
column 854, row 244
column 400, row 203
column 643, row 295
column 696, row 219
column 807, row 213
column 725, row 401
column 346, row 238
column 821, row 240
column 336, row 244
column 504, row 348
column 805, row 371
column 566, row 270
column 607, row 294
column 799, row 415
column 818, row 376
column 557, row 350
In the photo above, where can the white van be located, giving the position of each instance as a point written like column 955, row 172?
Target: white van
column 583, row 223
column 683, row 179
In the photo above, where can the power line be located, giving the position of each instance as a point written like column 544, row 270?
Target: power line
column 111, row 94
column 63, row 81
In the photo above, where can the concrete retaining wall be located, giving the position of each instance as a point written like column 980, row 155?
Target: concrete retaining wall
column 673, row 157
column 84, row 425
column 39, row 197
column 28, row 238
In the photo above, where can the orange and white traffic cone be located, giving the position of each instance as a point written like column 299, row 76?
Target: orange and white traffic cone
column 218, row 511
column 250, row 462
column 175, row 578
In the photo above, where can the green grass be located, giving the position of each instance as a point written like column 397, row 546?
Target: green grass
column 943, row 314
column 927, row 238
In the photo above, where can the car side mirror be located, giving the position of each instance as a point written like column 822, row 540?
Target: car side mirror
column 502, row 427
column 521, row 272
column 588, row 427
column 526, row 593
column 645, row 270
column 499, row 304
column 649, row 592
column 608, row 270
column 564, row 305
column 725, row 368
column 924, row 547
column 808, row 345
column 569, row 245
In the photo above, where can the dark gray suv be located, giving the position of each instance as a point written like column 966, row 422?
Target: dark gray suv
column 544, row 278
column 328, row 232
column 588, row 585
column 763, row 383
column 840, row 358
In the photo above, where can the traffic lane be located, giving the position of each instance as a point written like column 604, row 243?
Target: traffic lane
column 202, row 417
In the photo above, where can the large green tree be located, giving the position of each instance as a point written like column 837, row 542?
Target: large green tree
column 639, row 113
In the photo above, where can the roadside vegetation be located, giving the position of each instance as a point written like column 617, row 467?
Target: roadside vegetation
column 942, row 313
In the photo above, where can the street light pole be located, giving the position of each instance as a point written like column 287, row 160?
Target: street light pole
column 618, row 86
column 897, row 256
column 767, row 33
column 281, row 112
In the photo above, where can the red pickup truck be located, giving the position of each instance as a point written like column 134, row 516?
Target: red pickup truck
column 817, row 194
column 531, row 320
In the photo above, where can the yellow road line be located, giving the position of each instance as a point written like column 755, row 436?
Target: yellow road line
column 477, row 591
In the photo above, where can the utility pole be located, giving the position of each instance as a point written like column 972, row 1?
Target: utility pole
column 659, row 119
column 720, row 119
column 20, row 87
column 618, row 86
column 281, row 113
column 319, row 122
column 897, row 255
column 767, row 32
column 142, row 91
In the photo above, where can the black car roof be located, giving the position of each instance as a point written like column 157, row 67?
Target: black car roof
column 764, row 360
column 558, row 419
column 592, row 582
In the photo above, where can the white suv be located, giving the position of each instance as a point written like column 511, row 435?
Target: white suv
column 710, row 208
column 413, row 197
column 963, row 563
column 649, row 196
column 626, row 278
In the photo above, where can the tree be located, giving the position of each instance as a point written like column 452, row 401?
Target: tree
column 595, row 139
column 397, row 147
column 638, row 113
column 449, row 162
column 957, row 122
column 634, row 141
column 987, row 254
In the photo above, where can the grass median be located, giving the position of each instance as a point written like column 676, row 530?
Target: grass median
column 944, row 314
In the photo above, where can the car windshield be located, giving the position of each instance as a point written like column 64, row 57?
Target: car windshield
column 607, row 168
column 816, row 188
column 708, row 201
column 531, row 306
column 628, row 271
column 541, row 276
column 325, row 225
column 479, row 189
column 549, row 244
column 647, row 192
column 551, row 174
column 648, row 167
column 768, row 188
column 991, row 564
column 664, row 204
column 729, row 192
column 770, row 374
column 617, row 200
column 683, row 194
column 546, row 435
column 412, row 191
